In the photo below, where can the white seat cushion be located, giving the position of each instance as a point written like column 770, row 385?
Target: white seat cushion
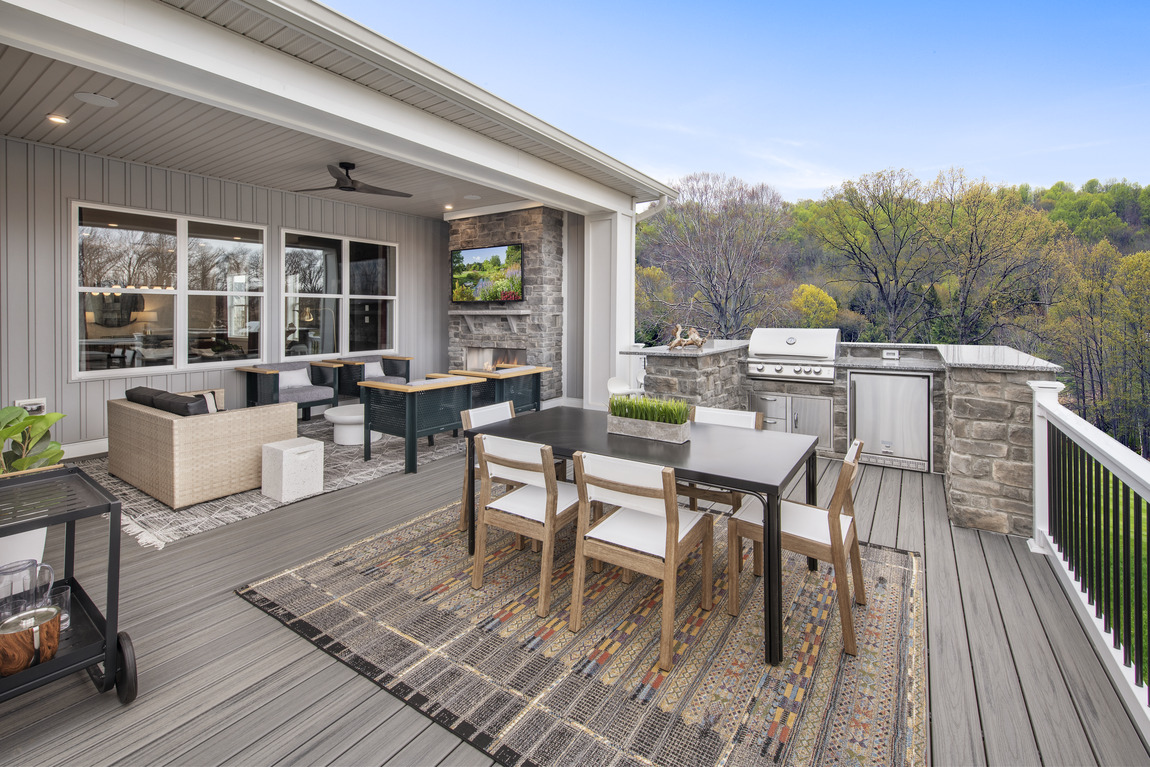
column 641, row 531
column 797, row 519
column 530, row 502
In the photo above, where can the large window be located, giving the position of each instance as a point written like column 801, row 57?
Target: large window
column 163, row 291
column 339, row 295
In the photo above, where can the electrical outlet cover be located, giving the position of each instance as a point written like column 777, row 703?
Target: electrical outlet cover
column 35, row 406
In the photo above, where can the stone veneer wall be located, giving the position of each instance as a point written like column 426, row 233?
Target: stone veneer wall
column 541, row 333
column 714, row 380
column 989, row 476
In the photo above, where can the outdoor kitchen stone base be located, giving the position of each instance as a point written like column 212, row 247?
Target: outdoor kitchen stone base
column 713, row 376
column 989, row 469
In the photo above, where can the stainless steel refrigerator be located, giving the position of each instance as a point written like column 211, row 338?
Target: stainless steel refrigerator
column 890, row 413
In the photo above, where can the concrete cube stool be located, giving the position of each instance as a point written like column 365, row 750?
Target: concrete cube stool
column 292, row 469
column 348, row 423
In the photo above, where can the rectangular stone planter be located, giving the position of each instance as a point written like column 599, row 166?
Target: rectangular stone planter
column 677, row 433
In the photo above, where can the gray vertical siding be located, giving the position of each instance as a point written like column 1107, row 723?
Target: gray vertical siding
column 573, row 307
column 37, row 185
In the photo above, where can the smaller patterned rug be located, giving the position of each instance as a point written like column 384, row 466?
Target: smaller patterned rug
column 399, row 609
column 153, row 523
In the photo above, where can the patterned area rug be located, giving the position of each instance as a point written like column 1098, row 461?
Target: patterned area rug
column 153, row 523
column 399, row 609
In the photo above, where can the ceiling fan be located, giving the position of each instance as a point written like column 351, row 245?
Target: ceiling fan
column 345, row 183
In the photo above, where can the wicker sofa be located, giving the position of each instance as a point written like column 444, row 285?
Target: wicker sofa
column 181, row 460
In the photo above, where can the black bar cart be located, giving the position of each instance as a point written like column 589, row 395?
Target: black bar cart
column 62, row 495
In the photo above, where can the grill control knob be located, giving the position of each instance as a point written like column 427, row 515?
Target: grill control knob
column 798, row 369
column 818, row 370
column 778, row 368
column 807, row 369
column 760, row 368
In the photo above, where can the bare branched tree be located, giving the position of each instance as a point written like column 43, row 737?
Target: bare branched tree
column 718, row 246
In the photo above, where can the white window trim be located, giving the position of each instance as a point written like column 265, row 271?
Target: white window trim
column 180, row 331
column 345, row 297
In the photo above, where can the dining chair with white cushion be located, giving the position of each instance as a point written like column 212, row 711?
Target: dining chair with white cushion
column 648, row 533
column 828, row 534
column 616, row 385
column 740, row 419
column 537, row 508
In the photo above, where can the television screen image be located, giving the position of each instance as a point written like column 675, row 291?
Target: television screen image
column 487, row 274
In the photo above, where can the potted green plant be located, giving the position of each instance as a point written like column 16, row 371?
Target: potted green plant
column 665, row 420
column 21, row 440
column 23, row 450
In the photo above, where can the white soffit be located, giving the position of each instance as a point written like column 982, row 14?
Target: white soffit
column 325, row 38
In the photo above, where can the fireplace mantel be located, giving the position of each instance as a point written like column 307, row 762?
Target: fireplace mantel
column 512, row 315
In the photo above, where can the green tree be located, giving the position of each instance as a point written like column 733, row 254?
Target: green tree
column 815, row 307
column 875, row 227
column 654, row 304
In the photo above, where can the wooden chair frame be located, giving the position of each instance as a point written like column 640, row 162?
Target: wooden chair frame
column 493, row 469
column 663, row 568
column 842, row 504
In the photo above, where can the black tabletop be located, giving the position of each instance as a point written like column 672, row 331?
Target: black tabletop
column 727, row 456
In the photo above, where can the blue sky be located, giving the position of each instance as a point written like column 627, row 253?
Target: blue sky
column 802, row 96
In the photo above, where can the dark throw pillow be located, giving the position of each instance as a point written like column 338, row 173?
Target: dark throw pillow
column 180, row 404
column 142, row 395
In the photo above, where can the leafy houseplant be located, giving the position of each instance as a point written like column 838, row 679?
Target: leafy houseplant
column 21, row 440
column 649, row 418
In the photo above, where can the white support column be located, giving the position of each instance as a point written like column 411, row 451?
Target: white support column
column 609, row 276
column 1045, row 395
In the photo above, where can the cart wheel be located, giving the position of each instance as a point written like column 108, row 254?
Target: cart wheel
column 125, row 669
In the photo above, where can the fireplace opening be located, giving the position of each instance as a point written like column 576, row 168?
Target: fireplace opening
column 486, row 358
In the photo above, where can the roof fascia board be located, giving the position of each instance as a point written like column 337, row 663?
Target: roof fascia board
column 162, row 47
column 348, row 35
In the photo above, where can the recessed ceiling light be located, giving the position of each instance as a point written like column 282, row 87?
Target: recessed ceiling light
column 95, row 99
column 113, row 224
column 58, row 119
column 471, row 197
column 448, row 207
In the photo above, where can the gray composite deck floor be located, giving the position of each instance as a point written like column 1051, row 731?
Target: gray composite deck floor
column 1012, row 677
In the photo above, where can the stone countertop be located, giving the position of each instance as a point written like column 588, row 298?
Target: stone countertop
column 909, row 364
column 718, row 346
column 992, row 358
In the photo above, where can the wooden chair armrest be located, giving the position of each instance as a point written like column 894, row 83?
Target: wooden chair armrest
column 319, row 364
column 393, row 357
column 259, row 371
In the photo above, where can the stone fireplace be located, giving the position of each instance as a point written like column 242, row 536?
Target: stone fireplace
column 533, row 327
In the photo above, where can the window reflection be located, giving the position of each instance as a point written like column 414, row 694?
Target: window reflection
column 126, row 250
column 369, row 324
column 313, row 325
column 224, row 257
column 311, row 264
column 223, row 328
column 371, row 268
column 144, row 340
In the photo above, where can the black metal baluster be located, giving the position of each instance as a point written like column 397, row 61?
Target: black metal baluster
column 1051, row 484
column 1096, row 532
column 1126, row 601
column 1080, row 513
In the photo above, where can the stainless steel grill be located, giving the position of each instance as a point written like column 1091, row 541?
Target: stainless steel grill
column 793, row 354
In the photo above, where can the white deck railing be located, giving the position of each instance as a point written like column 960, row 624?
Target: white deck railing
column 1086, row 486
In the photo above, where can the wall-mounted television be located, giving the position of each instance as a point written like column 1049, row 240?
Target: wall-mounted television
column 492, row 273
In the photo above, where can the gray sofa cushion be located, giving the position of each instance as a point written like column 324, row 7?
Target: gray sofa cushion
column 306, row 393
column 180, row 404
column 143, row 395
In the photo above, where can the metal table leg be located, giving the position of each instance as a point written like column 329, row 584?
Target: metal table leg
column 469, row 492
column 773, row 570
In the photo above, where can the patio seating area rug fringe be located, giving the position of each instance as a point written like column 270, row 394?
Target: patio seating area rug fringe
column 399, row 609
column 155, row 524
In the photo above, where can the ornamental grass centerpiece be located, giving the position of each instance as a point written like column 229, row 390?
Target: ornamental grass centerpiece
column 649, row 418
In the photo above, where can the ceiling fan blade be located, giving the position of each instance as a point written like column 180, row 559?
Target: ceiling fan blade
column 339, row 175
column 317, row 189
column 362, row 187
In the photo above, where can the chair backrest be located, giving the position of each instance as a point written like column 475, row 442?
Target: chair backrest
column 744, row 419
column 616, row 385
column 513, row 460
column 842, row 502
column 482, row 416
column 644, row 487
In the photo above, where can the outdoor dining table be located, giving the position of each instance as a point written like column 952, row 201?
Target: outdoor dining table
column 760, row 463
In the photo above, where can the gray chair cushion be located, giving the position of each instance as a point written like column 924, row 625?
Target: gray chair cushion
column 306, row 393
column 387, row 379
